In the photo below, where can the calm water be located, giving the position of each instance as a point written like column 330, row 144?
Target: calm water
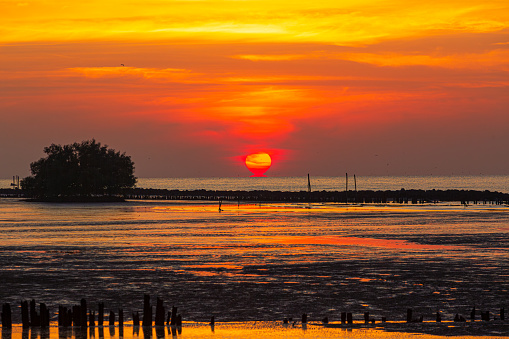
column 258, row 261
column 492, row 183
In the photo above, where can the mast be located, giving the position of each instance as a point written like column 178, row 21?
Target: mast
column 309, row 184
column 346, row 188
column 355, row 183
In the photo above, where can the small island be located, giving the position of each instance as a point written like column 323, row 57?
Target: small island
column 80, row 172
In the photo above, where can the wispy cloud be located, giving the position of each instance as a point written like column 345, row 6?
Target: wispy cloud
column 166, row 74
column 390, row 59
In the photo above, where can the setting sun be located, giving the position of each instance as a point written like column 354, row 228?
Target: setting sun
column 258, row 163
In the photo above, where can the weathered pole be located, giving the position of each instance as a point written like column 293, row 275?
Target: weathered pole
column 160, row 312
column 35, row 319
column 112, row 318
column 409, row 315
column 120, row 318
column 6, row 316
column 136, row 319
column 83, row 313
column 147, row 311
column 346, row 188
column 25, row 319
column 100, row 315
column 91, row 318
column 173, row 321
column 44, row 315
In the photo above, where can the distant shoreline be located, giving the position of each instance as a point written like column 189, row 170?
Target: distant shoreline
column 412, row 196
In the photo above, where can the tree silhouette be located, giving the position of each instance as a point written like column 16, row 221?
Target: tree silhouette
column 80, row 171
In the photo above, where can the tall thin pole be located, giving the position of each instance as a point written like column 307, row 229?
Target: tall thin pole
column 355, row 183
column 346, row 189
column 309, row 184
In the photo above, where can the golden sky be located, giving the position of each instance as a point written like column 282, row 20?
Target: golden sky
column 189, row 88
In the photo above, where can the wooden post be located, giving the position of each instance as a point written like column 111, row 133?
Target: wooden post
column 349, row 318
column 136, row 319
column 60, row 315
column 173, row 320
column 502, row 314
column 179, row 320
column 68, row 319
column 346, row 188
column 304, row 318
column 35, row 319
column 147, row 311
column 160, row 312
column 25, row 320
column 366, row 318
column 6, row 316
column 100, row 315
column 112, row 318
column 355, row 185
column 472, row 314
column 121, row 328
column 76, row 315
column 91, row 318
column 44, row 315
column 409, row 315
column 83, row 313
column 343, row 317
column 439, row 317
column 120, row 318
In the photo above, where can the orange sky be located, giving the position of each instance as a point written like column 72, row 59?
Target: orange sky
column 325, row 87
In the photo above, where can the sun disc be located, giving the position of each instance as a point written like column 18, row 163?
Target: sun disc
column 258, row 163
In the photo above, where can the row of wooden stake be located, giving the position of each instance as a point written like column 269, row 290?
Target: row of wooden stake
column 77, row 315
column 80, row 315
column 347, row 318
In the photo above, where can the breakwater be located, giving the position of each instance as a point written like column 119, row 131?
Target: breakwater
column 388, row 196
column 365, row 196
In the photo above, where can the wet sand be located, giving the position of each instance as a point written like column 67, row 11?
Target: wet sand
column 275, row 330
column 263, row 262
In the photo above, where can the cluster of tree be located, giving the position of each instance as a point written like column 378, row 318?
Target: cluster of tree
column 79, row 171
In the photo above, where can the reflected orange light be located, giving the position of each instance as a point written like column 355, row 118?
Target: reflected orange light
column 368, row 242
column 258, row 163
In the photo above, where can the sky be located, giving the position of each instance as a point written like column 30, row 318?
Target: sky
column 189, row 88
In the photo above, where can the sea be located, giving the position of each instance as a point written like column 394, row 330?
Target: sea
column 499, row 183
column 258, row 263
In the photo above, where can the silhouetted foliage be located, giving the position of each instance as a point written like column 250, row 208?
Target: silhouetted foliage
column 79, row 171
